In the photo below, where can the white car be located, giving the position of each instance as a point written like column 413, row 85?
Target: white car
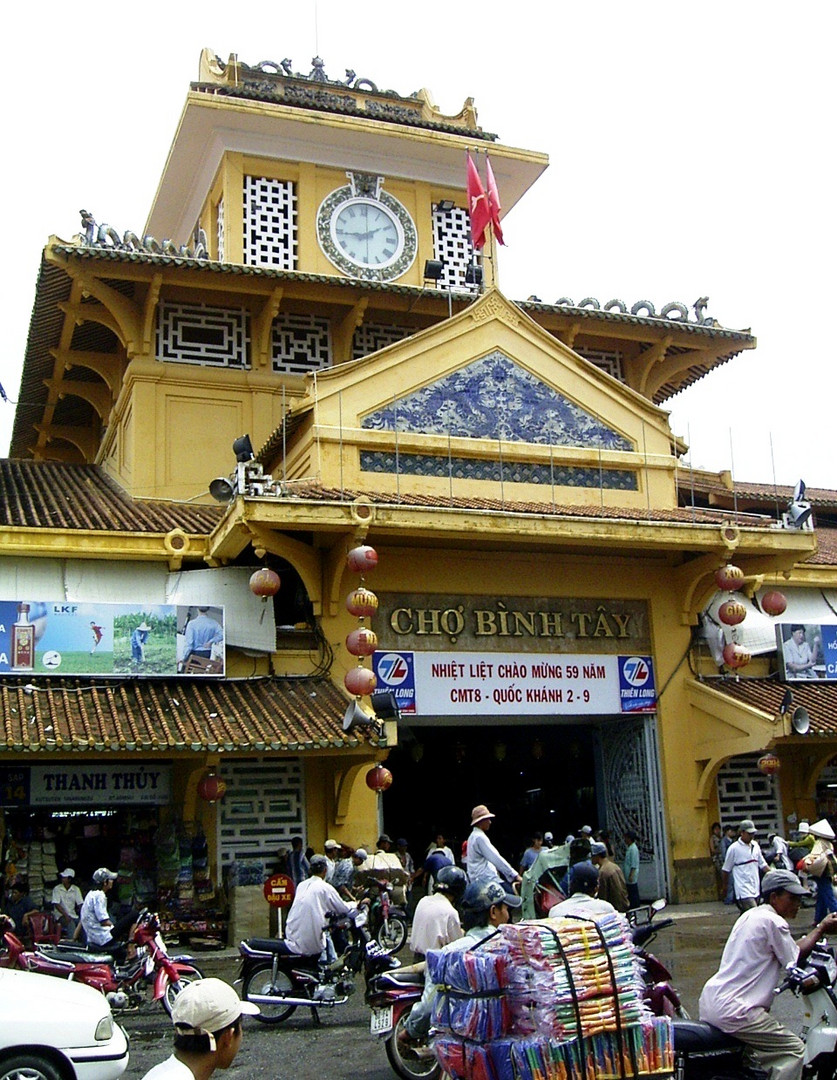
column 52, row 1029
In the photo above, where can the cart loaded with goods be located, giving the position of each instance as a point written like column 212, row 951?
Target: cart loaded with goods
column 554, row 999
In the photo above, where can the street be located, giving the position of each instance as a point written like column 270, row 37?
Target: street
column 343, row 1047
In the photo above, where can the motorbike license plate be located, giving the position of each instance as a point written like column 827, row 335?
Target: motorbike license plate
column 381, row 1021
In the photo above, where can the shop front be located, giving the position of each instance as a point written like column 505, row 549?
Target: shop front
column 544, row 707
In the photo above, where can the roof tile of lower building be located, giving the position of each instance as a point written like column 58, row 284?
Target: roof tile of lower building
column 818, row 698
column 171, row 715
column 56, row 495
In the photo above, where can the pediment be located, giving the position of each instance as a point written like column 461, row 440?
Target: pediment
column 493, row 397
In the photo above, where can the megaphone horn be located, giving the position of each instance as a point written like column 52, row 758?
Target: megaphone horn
column 356, row 717
column 800, row 721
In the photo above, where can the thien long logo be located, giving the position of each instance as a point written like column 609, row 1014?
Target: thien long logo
column 396, row 672
column 637, row 691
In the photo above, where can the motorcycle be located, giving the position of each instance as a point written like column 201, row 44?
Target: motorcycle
column 280, row 982
column 661, row 997
column 391, row 995
column 126, row 985
column 702, row 1052
column 387, row 922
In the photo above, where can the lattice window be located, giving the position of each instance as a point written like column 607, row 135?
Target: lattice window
column 611, row 362
column 744, row 792
column 373, row 336
column 198, row 334
column 220, row 234
column 452, row 246
column 269, row 223
column 263, row 808
column 300, row 343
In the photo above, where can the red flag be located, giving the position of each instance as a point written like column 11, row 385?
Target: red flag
column 478, row 207
column 494, row 207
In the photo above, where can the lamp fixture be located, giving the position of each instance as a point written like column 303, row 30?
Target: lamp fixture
column 433, row 270
column 243, row 448
column 473, row 274
column 385, row 705
column 445, row 205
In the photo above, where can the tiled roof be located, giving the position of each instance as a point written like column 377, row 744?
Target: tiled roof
column 172, row 714
column 818, row 698
column 768, row 493
column 826, row 553
column 55, row 495
column 593, row 510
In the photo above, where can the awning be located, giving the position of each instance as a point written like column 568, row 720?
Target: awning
column 249, row 715
column 817, row 697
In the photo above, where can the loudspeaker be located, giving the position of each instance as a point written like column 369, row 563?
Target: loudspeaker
column 356, row 717
column 222, row 489
column 800, row 721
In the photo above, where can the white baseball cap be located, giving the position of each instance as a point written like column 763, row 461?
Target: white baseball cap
column 207, row 1006
column 67, row 873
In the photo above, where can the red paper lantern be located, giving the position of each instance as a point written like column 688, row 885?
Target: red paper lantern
column 378, row 778
column 211, row 788
column 362, row 602
column 732, row 612
column 361, row 559
column 736, row 656
column 729, row 578
column 362, row 642
column 360, row 681
column 264, row 583
column 769, row 764
column 774, row 602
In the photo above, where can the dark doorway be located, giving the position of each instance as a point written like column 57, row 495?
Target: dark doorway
column 533, row 777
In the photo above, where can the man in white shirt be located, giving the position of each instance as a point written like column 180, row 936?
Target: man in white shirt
column 331, row 849
column 313, row 902
column 66, row 901
column 738, row 997
column 745, row 862
column 436, row 920
column 583, row 903
column 485, row 863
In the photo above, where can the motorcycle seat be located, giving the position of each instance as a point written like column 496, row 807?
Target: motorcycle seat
column 277, row 945
column 402, row 978
column 694, row 1036
column 75, row 955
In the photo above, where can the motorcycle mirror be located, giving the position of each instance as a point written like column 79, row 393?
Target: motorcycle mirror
column 660, row 904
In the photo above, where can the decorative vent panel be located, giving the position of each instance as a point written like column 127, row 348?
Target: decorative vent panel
column 452, row 246
column 300, row 343
column 263, row 808
column 611, row 362
column 197, row 334
column 508, row 472
column 220, row 237
column 269, row 223
column 744, row 792
column 373, row 336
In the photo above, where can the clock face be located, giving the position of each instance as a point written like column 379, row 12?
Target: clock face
column 373, row 238
column 367, row 233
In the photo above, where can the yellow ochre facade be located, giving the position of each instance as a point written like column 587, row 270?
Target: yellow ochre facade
column 307, row 276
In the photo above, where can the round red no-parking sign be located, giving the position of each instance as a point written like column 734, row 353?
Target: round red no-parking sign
column 279, row 890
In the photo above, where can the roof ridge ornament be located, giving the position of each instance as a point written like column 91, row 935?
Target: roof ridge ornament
column 105, row 236
column 675, row 311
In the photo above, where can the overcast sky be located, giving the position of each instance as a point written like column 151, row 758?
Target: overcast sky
column 691, row 153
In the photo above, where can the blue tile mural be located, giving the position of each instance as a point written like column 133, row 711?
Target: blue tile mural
column 493, row 398
column 509, row 472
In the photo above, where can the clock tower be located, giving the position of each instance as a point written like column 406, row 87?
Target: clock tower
column 305, row 173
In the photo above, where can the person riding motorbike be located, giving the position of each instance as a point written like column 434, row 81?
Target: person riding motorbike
column 738, row 997
column 314, row 901
column 436, row 920
column 95, row 923
column 485, row 906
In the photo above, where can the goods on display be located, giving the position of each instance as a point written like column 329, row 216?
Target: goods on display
column 554, row 999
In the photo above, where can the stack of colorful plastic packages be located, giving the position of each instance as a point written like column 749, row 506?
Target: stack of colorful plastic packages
column 552, row 999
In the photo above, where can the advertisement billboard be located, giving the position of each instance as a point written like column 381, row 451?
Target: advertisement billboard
column 43, row 637
column 807, row 651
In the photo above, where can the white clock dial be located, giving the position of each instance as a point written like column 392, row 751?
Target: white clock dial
column 367, row 233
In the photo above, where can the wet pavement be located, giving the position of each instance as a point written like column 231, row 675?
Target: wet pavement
column 343, row 1047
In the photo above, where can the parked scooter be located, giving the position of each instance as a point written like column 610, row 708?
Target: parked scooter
column 661, row 997
column 702, row 1052
column 124, row 985
column 387, row 922
column 280, row 982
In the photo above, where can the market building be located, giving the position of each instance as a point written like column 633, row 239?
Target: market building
column 546, row 562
